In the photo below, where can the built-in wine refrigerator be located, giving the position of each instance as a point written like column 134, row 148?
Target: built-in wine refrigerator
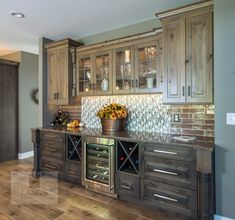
column 99, row 165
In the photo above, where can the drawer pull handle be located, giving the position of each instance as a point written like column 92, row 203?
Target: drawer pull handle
column 72, row 173
column 165, row 197
column 126, row 187
column 166, row 172
column 165, row 152
column 51, row 149
column 49, row 136
column 50, row 166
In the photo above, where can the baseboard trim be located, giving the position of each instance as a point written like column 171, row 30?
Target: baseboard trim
column 25, row 155
column 218, row 217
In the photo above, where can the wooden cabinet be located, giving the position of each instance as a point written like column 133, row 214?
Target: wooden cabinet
column 173, row 177
column 94, row 73
column 131, row 65
column 59, row 72
column 148, row 72
column 187, row 45
column 174, row 60
column 123, row 70
column 199, row 57
column 169, row 178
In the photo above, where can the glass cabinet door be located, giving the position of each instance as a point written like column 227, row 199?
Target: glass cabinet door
column 147, row 71
column 103, row 70
column 84, row 75
column 123, row 80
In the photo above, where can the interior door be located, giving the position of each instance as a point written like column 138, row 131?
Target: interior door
column 8, row 111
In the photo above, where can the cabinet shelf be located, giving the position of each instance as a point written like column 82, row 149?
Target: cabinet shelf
column 127, row 157
column 74, row 148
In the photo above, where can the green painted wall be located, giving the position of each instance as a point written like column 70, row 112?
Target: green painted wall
column 28, row 110
column 224, row 75
column 133, row 29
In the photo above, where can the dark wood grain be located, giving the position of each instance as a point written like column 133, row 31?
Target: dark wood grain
column 8, row 110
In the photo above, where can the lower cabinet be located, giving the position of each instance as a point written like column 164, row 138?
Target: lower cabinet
column 127, row 186
column 164, row 177
column 52, row 167
column 172, row 198
column 73, row 172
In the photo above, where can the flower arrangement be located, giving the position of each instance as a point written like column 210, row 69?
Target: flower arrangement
column 113, row 111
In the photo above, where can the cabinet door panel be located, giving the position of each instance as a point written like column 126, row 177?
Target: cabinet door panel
column 199, row 58
column 63, row 76
column 52, row 73
column 174, row 62
column 103, row 73
column 123, row 69
column 84, row 74
column 148, row 68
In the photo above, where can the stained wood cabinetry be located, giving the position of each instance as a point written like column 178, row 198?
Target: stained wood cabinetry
column 57, row 154
column 148, row 72
column 59, row 72
column 169, row 178
column 94, row 73
column 188, row 56
column 174, row 177
column 121, row 67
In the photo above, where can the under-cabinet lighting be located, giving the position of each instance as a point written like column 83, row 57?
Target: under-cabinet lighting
column 127, row 56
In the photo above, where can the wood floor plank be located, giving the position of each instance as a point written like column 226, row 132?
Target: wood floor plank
column 4, row 217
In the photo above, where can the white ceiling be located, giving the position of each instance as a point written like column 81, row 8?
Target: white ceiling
column 57, row 19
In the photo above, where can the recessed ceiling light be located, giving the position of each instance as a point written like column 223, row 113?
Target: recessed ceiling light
column 17, row 14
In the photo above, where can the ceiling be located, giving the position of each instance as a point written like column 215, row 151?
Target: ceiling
column 57, row 19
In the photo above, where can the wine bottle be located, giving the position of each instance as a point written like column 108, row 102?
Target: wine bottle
column 122, row 158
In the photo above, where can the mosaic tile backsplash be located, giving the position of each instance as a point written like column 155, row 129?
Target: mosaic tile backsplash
column 145, row 112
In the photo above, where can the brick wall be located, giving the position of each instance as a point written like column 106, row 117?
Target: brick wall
column 194, row 120
column 74, row 111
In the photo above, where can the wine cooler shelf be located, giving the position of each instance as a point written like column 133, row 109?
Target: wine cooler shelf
column 98, row 163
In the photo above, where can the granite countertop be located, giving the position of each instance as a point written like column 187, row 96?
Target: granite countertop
column 140, row 136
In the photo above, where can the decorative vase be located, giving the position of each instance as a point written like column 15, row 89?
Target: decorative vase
column 110, row 125
column 105, row 85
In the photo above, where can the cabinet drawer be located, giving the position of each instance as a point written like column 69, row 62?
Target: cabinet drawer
column 53, row 136
column 73, row 172
column 51, row 166
column 52, row 149
column 127, row 186
column 171, row 198
column 170, row 171
column 170, row 151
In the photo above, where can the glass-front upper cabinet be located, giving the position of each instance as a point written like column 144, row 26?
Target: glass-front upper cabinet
column 123, row 77
column 84, row 74
column 147, row 68
column 103, row 72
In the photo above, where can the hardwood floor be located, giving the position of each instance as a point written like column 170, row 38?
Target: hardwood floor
column 73, row 202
